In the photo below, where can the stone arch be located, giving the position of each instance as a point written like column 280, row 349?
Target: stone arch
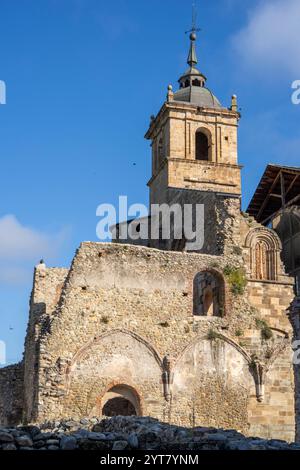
column 121, row 400
column 209, row 293
column 99, row 338
column 222, row 337
column 264, row 251
column 117, row 357
column 212, row 383
column 203, row 144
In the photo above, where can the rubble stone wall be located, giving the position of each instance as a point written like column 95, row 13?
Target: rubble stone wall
column 126, row 311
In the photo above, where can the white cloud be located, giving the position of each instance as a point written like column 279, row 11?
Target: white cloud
column 20, row 242
column 270, row 40
column 21, row 247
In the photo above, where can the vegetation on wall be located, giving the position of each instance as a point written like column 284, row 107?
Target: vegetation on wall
column 105, row 320
column 212, row 335
column 236, row 277
column 266, row 332
column 239, row 333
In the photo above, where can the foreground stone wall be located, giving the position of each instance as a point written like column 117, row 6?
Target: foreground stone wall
column 129, row 434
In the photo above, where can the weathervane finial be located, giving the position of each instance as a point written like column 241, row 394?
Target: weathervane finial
column 194, row 28
column 192, row 58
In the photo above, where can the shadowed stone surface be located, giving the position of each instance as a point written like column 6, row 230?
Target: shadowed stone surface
column 128, row 433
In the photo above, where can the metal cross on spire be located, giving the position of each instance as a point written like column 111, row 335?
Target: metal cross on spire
column 192, row 57
column 194, row 28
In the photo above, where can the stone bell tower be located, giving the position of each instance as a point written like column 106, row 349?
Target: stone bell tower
column 194, row 139
column 194, row 146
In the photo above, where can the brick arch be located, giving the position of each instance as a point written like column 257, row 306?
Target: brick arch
column 117, row 357
column 128, row 390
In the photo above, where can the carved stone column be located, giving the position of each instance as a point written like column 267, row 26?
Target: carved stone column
column 258, row 371
column 167, row 376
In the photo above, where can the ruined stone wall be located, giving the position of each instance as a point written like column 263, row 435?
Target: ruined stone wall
column 221, row 219
column 11, row 394
column 126, row 311
column 130, row 433
column 221, row 223
column 212, row 383
column 45, row 295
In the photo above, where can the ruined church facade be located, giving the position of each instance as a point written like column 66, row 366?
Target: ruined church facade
column 149, row 328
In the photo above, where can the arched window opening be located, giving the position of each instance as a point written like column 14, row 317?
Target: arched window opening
column 264, row 266
column 196, row 82
column 208, row 295
column 187, row 83
column 121, row 400
column 202, row 146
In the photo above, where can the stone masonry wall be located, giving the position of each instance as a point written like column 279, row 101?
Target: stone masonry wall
column 124, row 309
column 45, row 295
column 221, row 221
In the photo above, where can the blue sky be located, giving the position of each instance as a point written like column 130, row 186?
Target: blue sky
column 83, row 78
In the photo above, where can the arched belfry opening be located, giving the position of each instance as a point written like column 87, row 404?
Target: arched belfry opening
column 121, row 400
column 203, row 145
